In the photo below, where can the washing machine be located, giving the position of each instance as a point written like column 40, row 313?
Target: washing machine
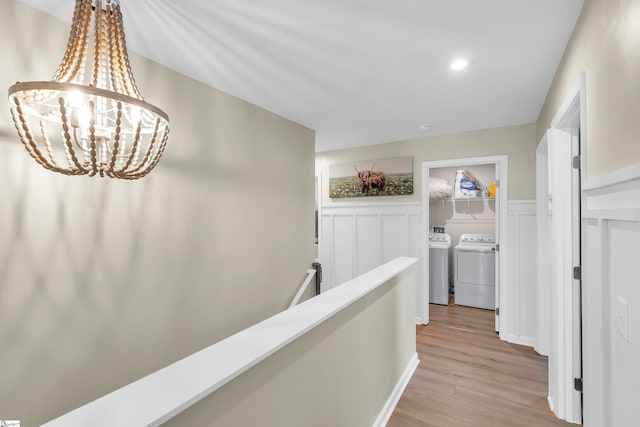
column 474, row 271
column 439, row 244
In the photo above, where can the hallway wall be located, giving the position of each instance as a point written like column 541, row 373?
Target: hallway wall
column 605, row 44
column 104, row 281
column 518, row 142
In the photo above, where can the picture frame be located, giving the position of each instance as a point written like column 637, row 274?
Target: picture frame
column 380, row 177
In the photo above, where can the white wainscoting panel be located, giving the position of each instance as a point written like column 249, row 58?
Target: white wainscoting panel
column 344, row 254
column 367, row 241
column 395, row 230
column 521, row 272
column 611, row 299
column 624, row 303
column 326, row 250
column 460, row 216
column 594, row 351
column 415, row 251
column 359, row 237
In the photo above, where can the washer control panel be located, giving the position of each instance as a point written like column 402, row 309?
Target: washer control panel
column 439, row 237
column 477, row 238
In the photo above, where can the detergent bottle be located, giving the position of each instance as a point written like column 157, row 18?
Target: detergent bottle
column 492, row 190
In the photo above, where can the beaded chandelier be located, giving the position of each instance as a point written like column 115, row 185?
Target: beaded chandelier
column 100, row 125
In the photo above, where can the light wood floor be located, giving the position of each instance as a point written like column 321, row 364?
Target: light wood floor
column 468, row 377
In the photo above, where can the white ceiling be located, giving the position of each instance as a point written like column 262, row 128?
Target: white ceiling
column 361, row 72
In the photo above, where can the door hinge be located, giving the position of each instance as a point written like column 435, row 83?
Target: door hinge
column 576, row 162
column 577, row 273
column 577, row 384
column 497, row 311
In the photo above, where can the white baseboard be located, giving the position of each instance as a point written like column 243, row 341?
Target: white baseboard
column 528, row 341
column 394, row 397
column 419, row 321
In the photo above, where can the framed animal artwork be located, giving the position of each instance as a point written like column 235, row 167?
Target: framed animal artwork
column 380, row 177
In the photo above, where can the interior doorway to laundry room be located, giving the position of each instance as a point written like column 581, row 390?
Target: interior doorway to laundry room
column 481, row 211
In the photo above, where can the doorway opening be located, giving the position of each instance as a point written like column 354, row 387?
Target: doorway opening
column 479, row 214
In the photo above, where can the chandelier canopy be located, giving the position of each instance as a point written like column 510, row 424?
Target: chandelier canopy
column 100, row 125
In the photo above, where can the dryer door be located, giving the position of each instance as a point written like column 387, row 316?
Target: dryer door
column 476, row 267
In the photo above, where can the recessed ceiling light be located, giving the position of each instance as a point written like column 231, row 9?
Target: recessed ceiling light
column 424, row 127
column 459, row 64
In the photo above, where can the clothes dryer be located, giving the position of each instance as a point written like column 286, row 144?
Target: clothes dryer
column 439, row 244
column 474, row 271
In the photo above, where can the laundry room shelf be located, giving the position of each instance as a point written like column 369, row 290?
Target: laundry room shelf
column 461, row 199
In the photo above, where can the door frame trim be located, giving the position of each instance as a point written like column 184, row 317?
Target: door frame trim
column 502, row 162
column 571, row 114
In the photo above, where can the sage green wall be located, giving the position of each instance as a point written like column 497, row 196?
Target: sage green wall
column 606, row 45
column 104, row 281
column 340, row 373
column 517, row 142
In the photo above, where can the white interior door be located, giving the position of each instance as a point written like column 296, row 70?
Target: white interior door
column 576, row 262
column 543, row 210
column 497, row 256
column 563, row 248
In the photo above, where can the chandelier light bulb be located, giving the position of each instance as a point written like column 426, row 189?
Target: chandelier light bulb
column 91, row 119
column 75, row 99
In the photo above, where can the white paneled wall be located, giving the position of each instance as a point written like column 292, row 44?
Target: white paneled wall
column 395, row 238
column 344, row 255
column 460, row 216
column 367, row 241
column 521, row 272
column 357, row 238
column 611, row 299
